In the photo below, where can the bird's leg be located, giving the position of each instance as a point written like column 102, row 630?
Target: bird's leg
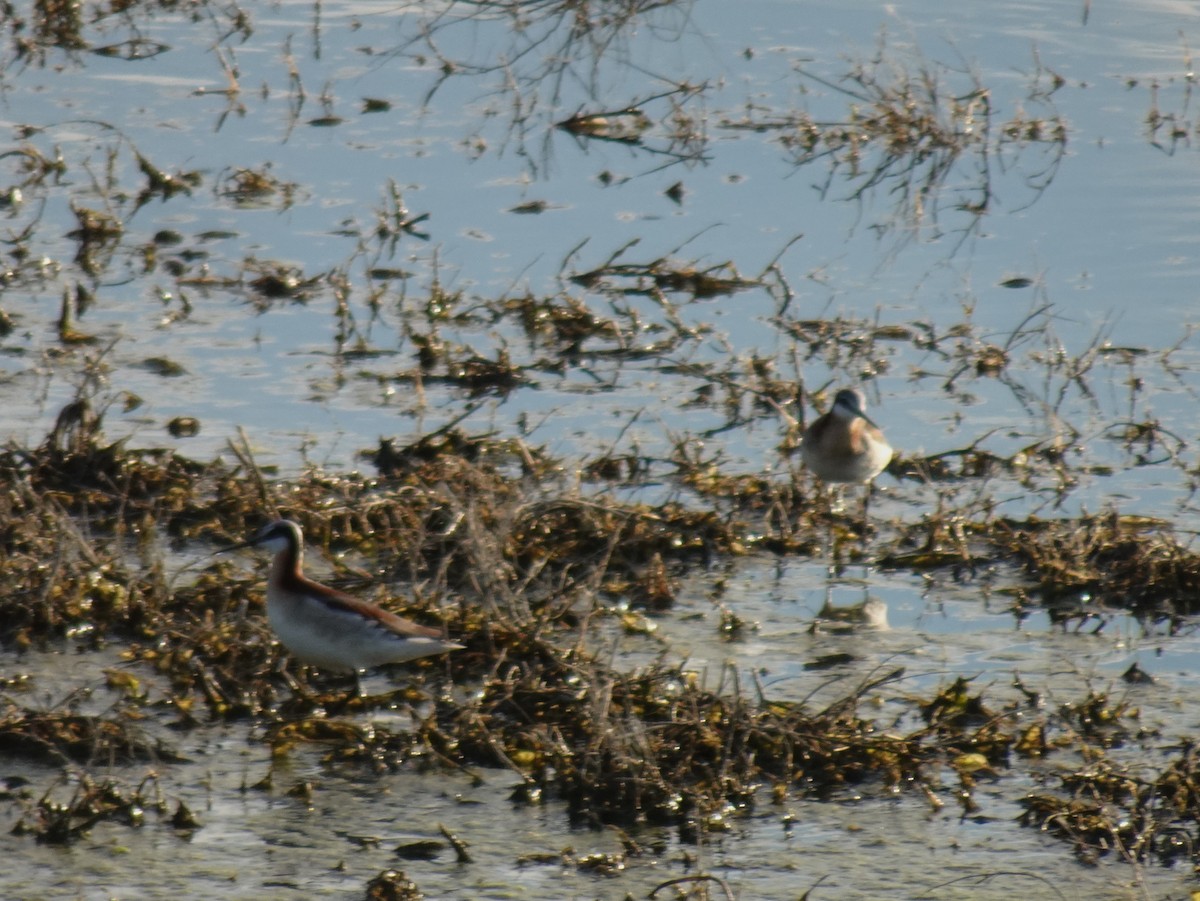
column 837, row 499
column 344, row 693
column 837, row 505
column 830, row 545
column 827, row 607
column 866, row 529
column 298, row 687
column 866, row 521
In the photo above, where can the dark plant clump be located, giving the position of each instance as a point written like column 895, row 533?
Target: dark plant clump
column 526, row 584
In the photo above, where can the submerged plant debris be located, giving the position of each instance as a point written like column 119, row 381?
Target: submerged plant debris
column 527, row 585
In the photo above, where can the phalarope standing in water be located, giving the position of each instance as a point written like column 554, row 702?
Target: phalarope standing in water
column 327, row 628
column 844, row 445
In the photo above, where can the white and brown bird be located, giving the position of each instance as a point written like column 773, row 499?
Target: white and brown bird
column 844, row 445
column 327, row 628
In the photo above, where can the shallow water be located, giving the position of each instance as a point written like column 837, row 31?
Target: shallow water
column 1107, row 233
column 255, row 843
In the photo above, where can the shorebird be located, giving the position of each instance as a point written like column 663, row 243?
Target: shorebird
column 327, row 628
column 844, row 445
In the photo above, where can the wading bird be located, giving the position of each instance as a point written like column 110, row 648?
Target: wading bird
column 327, row 628
column 844, row 445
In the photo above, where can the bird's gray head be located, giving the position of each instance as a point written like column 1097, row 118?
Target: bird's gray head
column 850, row 403
column 275, row 537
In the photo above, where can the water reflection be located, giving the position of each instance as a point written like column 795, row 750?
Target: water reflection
column 539, row 58
column 870, row 612
column 929, row 146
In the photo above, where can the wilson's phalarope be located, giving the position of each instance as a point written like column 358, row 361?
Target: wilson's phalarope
column 844, row 445
column 327, row 628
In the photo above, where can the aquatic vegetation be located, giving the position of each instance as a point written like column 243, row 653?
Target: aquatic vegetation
column 72, row 737
column 924, row 134
column 523, row 583
column 62, row 822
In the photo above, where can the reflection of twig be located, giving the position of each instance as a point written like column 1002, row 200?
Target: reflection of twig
column 629, row 125
column 297, row 94
column 905, row 134
column 246, row 458
column 701, row 877
column 1177, row 126
column 556, row 44
column 662, row 274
